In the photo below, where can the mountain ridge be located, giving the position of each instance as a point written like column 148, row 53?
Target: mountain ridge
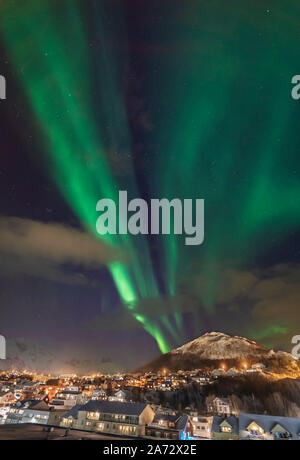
column 211, row 348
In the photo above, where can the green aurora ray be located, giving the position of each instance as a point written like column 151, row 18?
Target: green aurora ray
column 54, row 84
column 225, row 130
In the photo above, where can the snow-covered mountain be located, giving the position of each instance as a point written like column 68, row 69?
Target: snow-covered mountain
column 211, row 348
column 216, row 345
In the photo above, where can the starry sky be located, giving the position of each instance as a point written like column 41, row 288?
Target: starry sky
column 162, row 99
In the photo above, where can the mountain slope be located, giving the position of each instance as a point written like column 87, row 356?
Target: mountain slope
column 216, row 345
column 211, row 348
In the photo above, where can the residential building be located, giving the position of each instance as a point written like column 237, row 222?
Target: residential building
column 118, row 396
column 6, row 397
column 27, row 389
column 225, row 428
column 120, row 418
column 201, row 425
column 99, row 395
column 233, row 372
column 3, row 414
column 66, row 399
column 35, row 411
column 216, row 373
column 169, row 426
column 258, row 366
column 268, row 427
column 219, row 406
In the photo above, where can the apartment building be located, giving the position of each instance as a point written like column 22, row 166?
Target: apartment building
column 114, row 417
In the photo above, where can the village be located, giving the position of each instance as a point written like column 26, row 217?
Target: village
column 131, row 406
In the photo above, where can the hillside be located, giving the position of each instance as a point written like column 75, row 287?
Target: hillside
column 215, row 347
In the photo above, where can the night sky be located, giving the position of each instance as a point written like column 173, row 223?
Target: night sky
column 185, row 99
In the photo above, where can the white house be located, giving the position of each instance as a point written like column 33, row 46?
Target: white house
column 66, row 399
column 114, row 417
column 99, row 394
column 219, row 406
column 28, row 412
column 36, row 411
column 268, row 427
column 118, row 396
column 201, row 425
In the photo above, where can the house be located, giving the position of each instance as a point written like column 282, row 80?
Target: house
column 98, row 395
column 6, row 386
column 258, row 366
column 3, row 414
column 219, row 406
column 73, row 388
column 201, row 425
column 66, row 399
column 168, row 426
column 26, row 411
column 225, row 428
column 118, row 396
column 26, row 389
column 268, row 427
column 114, row 417
column 200, row 378
column 35, row 411
column 233, row 372
column 6, row 397
column 217, row 373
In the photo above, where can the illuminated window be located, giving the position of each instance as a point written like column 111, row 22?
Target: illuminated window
column 226, row 429
column 254, row 428
column 93, row 415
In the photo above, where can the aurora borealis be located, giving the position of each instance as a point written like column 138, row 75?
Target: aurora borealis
column 189, row 100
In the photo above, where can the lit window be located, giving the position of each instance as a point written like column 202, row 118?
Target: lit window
column 226, row 429
column 93, row 415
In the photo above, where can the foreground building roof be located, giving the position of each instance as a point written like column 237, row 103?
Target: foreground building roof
column 108, row 407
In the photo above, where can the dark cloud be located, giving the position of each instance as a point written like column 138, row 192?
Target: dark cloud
column 260, row 304
column 276, row 299
column 40, row 250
